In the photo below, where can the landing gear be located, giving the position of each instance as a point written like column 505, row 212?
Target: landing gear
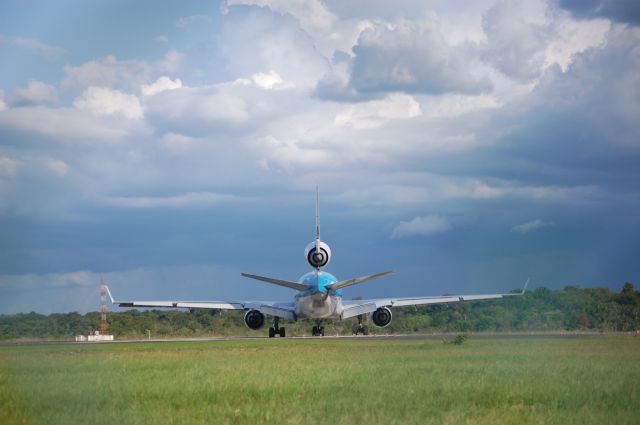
column 360, row 327
column 276, row 329
column 318, row 330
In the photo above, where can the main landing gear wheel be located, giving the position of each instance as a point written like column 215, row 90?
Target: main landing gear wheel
column 360, row 327
column 276, row 329
column 317, row 331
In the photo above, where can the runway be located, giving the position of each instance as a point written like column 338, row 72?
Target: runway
column 390, row 337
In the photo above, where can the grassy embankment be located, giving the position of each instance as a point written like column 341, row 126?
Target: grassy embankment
column 580, row 380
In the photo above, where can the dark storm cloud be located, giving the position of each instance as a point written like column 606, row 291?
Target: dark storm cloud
column 627, row 11
column 580, row 126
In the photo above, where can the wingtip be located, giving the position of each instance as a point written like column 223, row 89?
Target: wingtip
column 525, row 285
column 106, row 287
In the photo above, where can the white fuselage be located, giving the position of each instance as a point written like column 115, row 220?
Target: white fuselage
column 318, row 306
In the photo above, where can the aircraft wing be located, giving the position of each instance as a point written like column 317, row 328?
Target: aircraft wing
column 357, row 307
column 285, row 310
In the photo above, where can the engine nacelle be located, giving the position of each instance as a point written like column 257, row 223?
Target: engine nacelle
column 254, row 319
column 382, row 317
column 320, row 258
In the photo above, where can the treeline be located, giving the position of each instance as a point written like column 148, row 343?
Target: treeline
column 569, row 309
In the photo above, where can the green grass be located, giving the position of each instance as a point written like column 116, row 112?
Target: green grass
column 581, row 380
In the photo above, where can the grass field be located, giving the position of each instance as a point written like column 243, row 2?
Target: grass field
column 580, row 380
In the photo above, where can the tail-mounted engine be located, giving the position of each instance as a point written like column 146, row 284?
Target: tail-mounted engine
column 382, row 317
column 254, row 319
column 319, row 258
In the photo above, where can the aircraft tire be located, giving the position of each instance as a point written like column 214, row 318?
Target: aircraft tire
column 321, row 331
column 365, row 330
column 272, row 332
column 282, row 333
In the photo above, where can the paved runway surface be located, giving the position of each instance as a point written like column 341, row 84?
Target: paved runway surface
column 559, row 335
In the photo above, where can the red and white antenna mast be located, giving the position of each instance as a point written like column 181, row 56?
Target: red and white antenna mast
column 103, row 307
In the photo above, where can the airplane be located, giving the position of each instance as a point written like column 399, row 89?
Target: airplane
column 319, row 297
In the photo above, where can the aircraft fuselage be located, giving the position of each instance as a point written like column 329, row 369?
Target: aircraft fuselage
column 318, row 302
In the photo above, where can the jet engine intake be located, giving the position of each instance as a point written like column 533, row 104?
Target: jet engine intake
column 382, row 317
column 254, row 319
column 321, row 257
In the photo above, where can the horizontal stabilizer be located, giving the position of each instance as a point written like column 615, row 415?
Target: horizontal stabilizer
column 285, row 283
column 356, row 280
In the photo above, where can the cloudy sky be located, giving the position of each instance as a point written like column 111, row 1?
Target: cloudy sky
column 467, row 145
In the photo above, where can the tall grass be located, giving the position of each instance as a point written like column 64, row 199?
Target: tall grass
column 582, row 380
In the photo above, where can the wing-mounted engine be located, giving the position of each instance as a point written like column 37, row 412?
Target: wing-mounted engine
column 254, row 319
column 382, row 317
column 317, row 257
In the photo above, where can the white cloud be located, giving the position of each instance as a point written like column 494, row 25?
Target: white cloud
column 162, row 39
column 422, row 226
column 414, row 57
column 376, row 112
column 453, row 105
column 525, row 228
column 3, row 105
column 268, row 81
column 108, row 72
column 573, row 37
column 253, row 40
column 56, row 166
column 188, row 21
column 313, row 15
column 516, row 43
column 105, row 101
column 67, row 125
column 33, row 45
column 191, row 199
column 35, row 93
column 421, row 188
column 161, row 84
column 190, row 110
column 9, row 166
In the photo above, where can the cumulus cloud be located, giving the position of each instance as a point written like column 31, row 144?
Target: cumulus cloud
column 105, row 101
column 268, row 81
column 35, row 93
column 64, row 125
column 3, row 104
column 191, row 110
column 422, row 226
column 257, row 40
column 33, row 45
column 413, row 57
column 330, row 33
column 108, row 72
column 161, row 84
column 313, row 15
column 591, row 109
column 404, row 55
column 375, row 113
column 515, row 45
column 527, row 227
